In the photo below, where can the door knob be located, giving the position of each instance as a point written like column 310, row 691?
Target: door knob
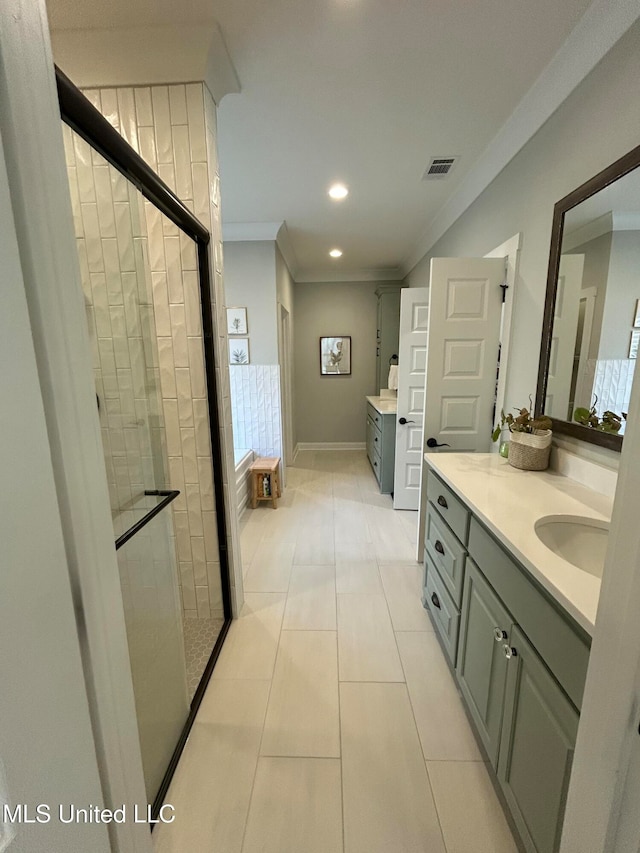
column 431, row 442
column 403, row 421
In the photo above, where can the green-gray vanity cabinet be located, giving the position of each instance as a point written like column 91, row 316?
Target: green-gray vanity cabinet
column 520, row 663
column 381, row 446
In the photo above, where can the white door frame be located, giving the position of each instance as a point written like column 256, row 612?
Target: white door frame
column 284, row 332
column 32, row 134
column 510, row 251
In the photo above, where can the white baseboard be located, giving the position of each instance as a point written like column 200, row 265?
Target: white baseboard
column 330, row 445
column 296, row 450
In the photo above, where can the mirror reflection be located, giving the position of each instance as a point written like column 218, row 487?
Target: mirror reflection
column 596, row 325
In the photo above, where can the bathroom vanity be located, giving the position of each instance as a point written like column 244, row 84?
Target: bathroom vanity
column 381, row 439
column 515, row 621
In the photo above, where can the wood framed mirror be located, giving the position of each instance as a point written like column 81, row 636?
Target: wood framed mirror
column 589, row 337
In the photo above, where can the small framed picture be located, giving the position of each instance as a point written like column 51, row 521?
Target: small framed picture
column 636, row 318
column 237, row 321
column 633, row 345
column 239, row 351
column 335, row 355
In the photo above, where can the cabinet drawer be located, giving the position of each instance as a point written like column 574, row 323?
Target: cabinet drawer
column 562, row 644
column 375, row 416
column 371, row 434
column 446, row 552
column 376, row 464
column 445, row 614
column 449, row 506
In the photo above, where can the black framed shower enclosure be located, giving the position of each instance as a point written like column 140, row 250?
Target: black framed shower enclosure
column 80, row 114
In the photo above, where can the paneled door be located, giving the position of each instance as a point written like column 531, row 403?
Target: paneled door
column 563, row 338
column 465, row 307
column 412, row 363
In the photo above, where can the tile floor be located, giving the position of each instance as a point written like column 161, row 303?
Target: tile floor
column 331, row 723
column 200, row 637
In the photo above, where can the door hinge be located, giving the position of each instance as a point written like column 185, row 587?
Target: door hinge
column 504, row 287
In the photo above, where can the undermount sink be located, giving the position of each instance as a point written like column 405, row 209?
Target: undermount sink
column 579, row 540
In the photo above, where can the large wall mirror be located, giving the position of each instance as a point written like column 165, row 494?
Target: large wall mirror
column 591, row 325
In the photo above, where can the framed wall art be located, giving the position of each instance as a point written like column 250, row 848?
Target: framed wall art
column 237, row 321
column 239, row 351
column 335, row 355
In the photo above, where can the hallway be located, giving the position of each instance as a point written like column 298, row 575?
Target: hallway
column 332, row 722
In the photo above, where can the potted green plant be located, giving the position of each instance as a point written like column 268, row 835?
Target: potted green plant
column 609, row 422
column 530, row 439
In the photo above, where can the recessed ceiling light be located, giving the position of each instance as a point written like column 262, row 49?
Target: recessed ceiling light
column 338, row 191
column 336, row 253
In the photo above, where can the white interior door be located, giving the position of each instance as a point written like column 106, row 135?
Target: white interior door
column 412, row 362
column 465, row 308
column 584, row 385
column 563, row 339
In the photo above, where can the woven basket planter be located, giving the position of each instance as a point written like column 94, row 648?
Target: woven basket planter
column 530, row 451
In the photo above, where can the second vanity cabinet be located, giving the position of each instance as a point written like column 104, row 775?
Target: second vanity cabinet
column 520, row 662
column 381, row 446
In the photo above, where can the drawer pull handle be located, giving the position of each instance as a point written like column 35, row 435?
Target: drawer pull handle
column 436, row 601
column 442, row 501
column 376, row 438
column 439, row 547
column 509, row 652
column 499, row 635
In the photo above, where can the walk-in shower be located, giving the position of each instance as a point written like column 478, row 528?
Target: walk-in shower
column 146, row 282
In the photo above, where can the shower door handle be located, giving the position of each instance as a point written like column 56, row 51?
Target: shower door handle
column 168, row 495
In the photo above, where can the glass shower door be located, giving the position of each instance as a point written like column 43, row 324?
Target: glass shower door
column 113, row 247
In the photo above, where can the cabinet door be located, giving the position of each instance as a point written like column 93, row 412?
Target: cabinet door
column 536, row 750
column 482, row 665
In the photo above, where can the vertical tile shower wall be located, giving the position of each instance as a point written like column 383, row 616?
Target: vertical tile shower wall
column 255, row 400
column 167, row 125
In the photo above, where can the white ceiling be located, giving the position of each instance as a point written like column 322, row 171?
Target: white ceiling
column 362, row 91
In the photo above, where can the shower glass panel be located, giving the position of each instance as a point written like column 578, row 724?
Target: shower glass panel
column 142, row 297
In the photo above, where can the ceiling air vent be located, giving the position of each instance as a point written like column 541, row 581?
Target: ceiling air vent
column 439, row 168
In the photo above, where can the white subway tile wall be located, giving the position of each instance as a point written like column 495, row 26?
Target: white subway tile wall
column 606, row 383
column 135, row 263
column 255, row 404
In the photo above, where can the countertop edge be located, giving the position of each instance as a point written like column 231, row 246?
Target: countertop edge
column 547, row 583
column 388, row 408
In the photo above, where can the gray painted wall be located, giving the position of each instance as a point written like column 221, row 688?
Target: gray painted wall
column 597, row 124
column 333, row 408
column 250, row 280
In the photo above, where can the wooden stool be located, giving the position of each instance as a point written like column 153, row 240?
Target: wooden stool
column 265, row 481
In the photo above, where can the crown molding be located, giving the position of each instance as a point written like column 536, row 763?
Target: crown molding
column 358, row 275
column 587, row 232
column 240, row 232
column 147, row 56
column 602, row 25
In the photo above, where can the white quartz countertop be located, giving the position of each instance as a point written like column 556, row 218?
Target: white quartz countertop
column 384, row 405
column 509, row 502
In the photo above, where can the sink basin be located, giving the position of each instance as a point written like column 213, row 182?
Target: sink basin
column 579, row 540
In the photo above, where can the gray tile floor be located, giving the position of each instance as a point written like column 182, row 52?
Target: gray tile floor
column 332, row 723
